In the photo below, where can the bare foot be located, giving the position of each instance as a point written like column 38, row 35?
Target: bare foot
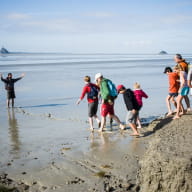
column 135, row 134
column 169, row 114
column 100, row 130
column 122, row 127
column 176, row 117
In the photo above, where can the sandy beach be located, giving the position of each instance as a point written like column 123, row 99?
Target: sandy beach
column 109, row 161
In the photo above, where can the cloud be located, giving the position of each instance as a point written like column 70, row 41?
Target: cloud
column 99, row 15
column 17, row 16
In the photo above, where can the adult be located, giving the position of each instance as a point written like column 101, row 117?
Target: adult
column 183, row 91
column 132, row 107
column 107, row 107
column 173, row 78
column 9, row 86
column 92, row 97
column 184, row 65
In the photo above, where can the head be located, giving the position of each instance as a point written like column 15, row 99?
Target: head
column 121, row 89
column 87, row 79
column 178, row 58
column 9, row 75
column 98, row 78
column 168, row 70
column 136, row 86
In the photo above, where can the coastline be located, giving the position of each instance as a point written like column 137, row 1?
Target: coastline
column 111, row 161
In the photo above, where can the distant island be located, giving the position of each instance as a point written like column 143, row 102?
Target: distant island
column 163, row 53
column 4, row 51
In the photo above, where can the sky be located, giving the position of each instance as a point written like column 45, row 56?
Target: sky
column 96, row 26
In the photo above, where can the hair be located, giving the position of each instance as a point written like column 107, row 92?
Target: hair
column 136, row 86
column 178, row 56
column 168, row 69
column 9, row 74
column 87, row 79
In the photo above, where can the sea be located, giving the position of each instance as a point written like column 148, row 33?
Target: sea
column 53, row 81
column 46, row 118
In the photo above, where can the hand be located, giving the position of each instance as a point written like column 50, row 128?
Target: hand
column 23, row 75
column 133, row 111
column 78, row 101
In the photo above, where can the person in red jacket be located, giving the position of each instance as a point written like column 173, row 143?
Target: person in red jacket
column 139, row 94
column 92, row 91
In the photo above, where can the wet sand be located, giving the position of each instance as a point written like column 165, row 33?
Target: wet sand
column 51, row 161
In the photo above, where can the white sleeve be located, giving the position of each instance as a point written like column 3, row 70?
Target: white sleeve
column 189, row 76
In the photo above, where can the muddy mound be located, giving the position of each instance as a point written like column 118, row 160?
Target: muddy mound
column 167, row 164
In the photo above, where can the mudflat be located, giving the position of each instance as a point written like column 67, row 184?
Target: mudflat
column 160, row 160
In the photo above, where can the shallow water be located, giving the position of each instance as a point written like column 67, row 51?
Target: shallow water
column 47, row 118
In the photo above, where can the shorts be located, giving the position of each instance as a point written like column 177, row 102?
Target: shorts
column 132, row 118
column 10, row 94
column 184, row 91
column 107, row 109
column 173, row 94
column 92, row 108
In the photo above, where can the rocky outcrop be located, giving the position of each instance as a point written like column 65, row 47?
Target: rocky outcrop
column 163, row 53
column 167, row 164
column 4, row 51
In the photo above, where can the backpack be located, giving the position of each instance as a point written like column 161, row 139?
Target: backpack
column 112, row 89
column 93, row 93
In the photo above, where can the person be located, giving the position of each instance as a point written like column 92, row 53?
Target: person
column 189, row 79
column 92, row 91
column 9, row 86
column 132, row 107
column 183, row 91
column 139, row 94
column 173, row 79
column 181, row 62
column 107, row 107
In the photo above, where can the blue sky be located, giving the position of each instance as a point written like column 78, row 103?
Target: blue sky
column 104, row 26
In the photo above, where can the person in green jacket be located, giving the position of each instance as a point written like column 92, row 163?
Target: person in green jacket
column 107, row 107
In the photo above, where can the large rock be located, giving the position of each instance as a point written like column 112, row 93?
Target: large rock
column 4, row 51
column 167, row 164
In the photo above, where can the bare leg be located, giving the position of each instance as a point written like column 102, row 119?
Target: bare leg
column 12, row 102
column 138, row 122
column 91, row 123
column 187, row 102
column 134, row 128
column 8, row 103
column 98, row 120
column 121, row 126
column 179, row 106
column 103, row 121
column 174, row 102
column 168, row 105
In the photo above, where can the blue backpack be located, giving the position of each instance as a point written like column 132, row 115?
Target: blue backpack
column 93, row 94
column 112, row 89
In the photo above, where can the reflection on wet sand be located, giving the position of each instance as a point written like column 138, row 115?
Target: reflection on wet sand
column 14, row 133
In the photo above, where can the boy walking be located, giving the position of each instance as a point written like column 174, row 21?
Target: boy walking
column 173, row 88
column 92, row 91
column 107, row 107
column 132, row 107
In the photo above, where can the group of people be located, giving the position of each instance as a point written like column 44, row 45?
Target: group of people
column 180, row 78
column 105, row 90
column 180, row 82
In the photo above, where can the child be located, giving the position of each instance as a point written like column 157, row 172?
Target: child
column 92, row 91
column 173, row 78
column 132, row 107
column 139, row 93
column 9, row 86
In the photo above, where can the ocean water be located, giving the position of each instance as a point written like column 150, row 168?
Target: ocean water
column 46, row 117
column 53, row 82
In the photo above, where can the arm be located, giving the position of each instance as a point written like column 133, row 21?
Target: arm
column 182, row 79
column 84, row 91
column 2, row 79
column 189, row 78
column 144, row 94
column 17, row 79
